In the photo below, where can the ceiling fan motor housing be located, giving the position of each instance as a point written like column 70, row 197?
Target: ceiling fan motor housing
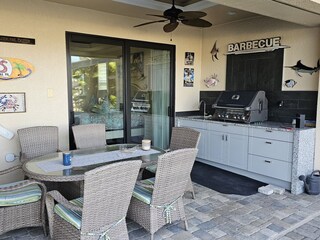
column 173, row 12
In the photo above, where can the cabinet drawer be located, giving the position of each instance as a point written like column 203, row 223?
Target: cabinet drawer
column 271, row 148
column 228, row 128
column 271, row 134
column 192, row 124
column 270, row 167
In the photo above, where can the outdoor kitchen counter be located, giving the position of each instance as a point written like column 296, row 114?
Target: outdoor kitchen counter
column 278, row 126
column 303, row 140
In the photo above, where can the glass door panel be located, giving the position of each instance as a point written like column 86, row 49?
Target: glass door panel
column 97, row 87
column 150, row 95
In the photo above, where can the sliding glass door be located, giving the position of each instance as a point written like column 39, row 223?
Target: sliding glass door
column 150, row 94
column 124, row 84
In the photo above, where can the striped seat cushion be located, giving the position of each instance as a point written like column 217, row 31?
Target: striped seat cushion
column 142, row 193
column 152, row 168
column 71, row 216
column 28, row 194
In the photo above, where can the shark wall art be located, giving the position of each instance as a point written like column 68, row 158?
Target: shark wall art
column 214, row 51
column 301, row 68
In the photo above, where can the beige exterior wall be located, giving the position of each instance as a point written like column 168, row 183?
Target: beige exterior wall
column 47, row 23
column 303, row 45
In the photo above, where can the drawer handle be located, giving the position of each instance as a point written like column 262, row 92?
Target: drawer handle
column 267, row 161
column 225, row 125
column 268, row 130
column 268, row 142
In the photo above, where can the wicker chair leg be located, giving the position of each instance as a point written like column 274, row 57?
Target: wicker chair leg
column 151, row 236
column 186, row 225
column 193, row 194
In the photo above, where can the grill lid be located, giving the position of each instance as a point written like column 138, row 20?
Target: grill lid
column 236, row 99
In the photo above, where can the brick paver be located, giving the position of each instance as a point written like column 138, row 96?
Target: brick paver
column 213, row 215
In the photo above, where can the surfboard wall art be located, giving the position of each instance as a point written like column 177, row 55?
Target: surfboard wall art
column 14, row 68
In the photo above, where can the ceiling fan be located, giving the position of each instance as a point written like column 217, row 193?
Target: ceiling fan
column 175, row 15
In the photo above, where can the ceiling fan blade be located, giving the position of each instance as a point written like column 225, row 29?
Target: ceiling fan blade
column 155, row 15
column 191, row 15
column 169, row 27
column 142, row 24
column 197, row 23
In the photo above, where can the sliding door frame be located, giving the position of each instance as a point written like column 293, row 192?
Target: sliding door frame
column 126, row 44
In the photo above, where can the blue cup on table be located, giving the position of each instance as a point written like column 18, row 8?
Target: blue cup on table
column 66, row 159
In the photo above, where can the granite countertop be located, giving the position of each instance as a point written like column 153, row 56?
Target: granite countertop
column 267, row 124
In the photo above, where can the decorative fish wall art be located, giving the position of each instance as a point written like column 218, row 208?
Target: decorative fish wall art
column 214, row 51
column 290, row 83
column 211, row 81
column 301, row 68
column 13, row 68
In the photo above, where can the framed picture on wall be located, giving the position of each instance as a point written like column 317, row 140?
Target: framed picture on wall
column 189, row 58
column 188, row 77
column 12, row 102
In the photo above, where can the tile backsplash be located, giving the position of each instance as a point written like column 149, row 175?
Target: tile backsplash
column 282, row 105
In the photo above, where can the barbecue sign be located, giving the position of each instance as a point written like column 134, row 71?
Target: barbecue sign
column 253, row 45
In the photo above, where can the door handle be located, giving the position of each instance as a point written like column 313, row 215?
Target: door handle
column 267, row 161
column 226, row 137
column 222, row 137
column 268, row 142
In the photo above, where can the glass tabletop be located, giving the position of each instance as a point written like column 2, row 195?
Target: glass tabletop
column 50, row 167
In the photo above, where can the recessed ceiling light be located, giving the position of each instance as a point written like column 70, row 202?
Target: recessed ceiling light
column 231, row 13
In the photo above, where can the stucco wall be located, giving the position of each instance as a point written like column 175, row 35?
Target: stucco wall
column 47, row 23
column 303, row 45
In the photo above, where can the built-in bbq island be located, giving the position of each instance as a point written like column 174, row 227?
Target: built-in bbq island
column 271, row 152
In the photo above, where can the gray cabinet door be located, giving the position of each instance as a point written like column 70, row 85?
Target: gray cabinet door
column 216, row 147
column 237, row 149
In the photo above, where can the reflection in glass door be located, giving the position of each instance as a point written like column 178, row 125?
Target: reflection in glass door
column 97, row 87
column 150, row 95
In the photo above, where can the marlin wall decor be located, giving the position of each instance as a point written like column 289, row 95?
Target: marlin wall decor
column 301, row 68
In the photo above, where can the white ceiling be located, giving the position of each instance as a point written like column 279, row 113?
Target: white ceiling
column 303, row 12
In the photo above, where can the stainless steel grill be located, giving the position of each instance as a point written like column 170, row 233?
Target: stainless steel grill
column 241, row 106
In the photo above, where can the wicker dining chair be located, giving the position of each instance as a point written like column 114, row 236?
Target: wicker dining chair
column 182, row 137
column 21, row 204
column 158, row 201
column 89, row 135
column 37, row 141
column 101, row 212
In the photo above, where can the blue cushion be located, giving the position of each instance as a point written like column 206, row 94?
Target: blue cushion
column 28, row 194
column 71, row 216
column 143, row 194
column 152, row 168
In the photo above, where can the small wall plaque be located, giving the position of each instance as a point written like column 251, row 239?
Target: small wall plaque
column 19, row 40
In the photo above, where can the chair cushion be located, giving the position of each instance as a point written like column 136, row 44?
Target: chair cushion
column 142, row 193
column 71, row 216
column 28, row 194
column 152, row 168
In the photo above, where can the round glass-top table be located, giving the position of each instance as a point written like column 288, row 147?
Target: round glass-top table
column 49, row 167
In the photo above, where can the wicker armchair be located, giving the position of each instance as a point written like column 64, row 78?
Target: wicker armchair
column 158, row 201
column 21, row 204
column 182, row 137
column 102, row 210
column 38, row 141
column 90, row 135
